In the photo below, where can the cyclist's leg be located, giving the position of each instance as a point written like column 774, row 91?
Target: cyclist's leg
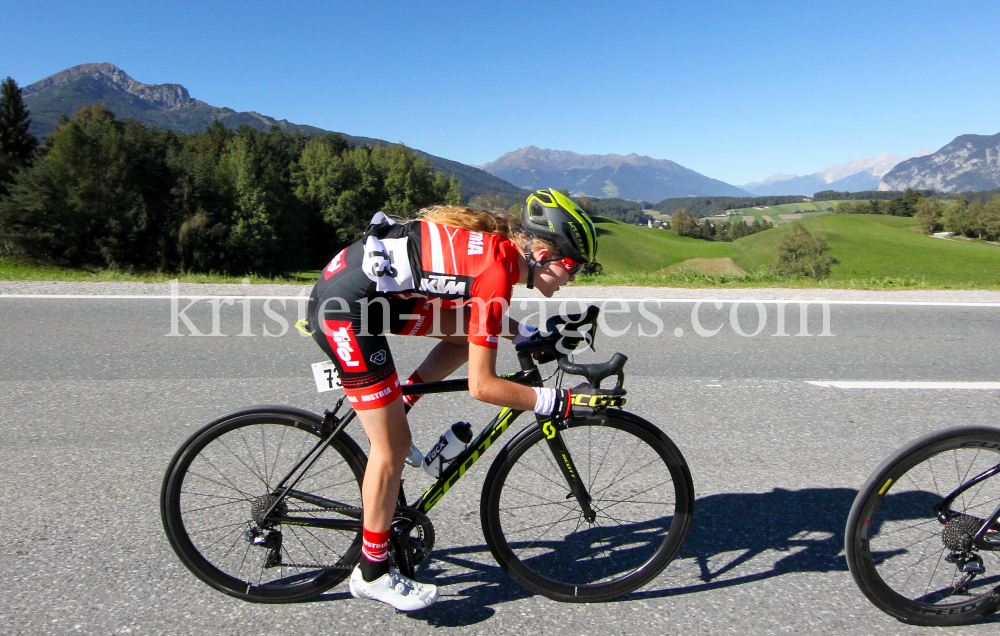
column 348, row 325
column 389, row 435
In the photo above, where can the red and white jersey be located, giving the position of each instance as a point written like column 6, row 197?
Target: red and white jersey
column 455, row 266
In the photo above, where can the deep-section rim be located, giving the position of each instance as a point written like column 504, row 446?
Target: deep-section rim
column 866, row 504
column 598, row 592
column 189, row 554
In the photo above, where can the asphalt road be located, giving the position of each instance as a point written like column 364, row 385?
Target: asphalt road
column 96, row 396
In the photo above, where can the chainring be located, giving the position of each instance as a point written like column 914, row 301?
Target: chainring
column 417, row 529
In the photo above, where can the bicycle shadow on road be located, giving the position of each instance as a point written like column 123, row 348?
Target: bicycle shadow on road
column 729, row 543
column 731, row 530
column 730, row 534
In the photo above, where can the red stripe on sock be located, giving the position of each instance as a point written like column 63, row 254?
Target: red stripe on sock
column 410, row 400
column 375, row 545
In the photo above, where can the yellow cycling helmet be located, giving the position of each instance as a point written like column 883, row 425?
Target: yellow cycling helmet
column 551, row 215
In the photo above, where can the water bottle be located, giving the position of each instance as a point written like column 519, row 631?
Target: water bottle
column 449, row 446
column 415, row 457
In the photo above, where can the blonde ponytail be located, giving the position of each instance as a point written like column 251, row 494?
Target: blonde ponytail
column 486, row 221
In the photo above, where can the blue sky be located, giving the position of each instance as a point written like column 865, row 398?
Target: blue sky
column 734, row 90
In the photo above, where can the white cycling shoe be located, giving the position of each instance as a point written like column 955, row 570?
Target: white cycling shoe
column 393, row 588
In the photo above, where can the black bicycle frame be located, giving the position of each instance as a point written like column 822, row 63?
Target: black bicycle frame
column 988, row 536
column 529, row 376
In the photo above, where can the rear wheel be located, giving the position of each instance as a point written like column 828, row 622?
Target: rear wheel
column 222, row 482
column 640, row 488
column 900, row 552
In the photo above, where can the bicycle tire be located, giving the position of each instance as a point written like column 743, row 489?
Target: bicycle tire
column 894, row 541
column 219, row 473
column 640, row 487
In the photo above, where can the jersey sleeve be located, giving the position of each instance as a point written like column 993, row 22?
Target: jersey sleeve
column 490, row 297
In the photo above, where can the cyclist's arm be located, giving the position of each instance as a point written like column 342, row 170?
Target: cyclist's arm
column 485, row 386
column 513, row 328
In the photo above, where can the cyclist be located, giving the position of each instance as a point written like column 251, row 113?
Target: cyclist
column 416, row 278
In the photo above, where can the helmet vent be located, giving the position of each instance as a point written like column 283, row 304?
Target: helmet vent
column 537, row 210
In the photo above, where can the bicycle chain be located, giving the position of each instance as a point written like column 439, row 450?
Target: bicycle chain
column 338, row 509
column 318, row 565
column 313, row 565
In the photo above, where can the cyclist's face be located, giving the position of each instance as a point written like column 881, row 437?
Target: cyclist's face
column 551, row 276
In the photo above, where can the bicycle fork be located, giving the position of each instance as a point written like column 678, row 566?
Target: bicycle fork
column 561, row 455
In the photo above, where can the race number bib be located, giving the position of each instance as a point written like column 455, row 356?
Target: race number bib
column 387, row 264
column 386, row 261
column 325, row 375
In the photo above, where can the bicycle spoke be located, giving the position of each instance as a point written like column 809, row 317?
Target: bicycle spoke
column 222, row 443
column 201, row 494
column 642, row 492
column 218, row 505
column 614, row 478
column 526, row 506
column 228, row 525
column 609, row 444
column 262, row 474
column 637, row 470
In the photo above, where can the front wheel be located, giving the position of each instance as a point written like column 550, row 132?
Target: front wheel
column 901, row 552
column 640, row 488
column 224, row 479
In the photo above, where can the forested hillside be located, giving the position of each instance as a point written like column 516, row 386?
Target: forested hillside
column 169, row 106
column 122, row 194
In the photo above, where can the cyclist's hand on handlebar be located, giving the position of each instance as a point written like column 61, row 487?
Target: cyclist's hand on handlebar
column 527, row 333
column 584, row 400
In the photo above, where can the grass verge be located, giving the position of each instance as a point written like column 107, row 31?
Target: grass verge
column 14, row 270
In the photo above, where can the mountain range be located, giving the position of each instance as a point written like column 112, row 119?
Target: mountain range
column 969, row 163
column 624, row 176
column 170, row 106
column 856, row 175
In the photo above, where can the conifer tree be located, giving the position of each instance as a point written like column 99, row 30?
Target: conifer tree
column 17, row 145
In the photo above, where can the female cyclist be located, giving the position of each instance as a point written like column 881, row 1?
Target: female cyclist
column 417, row 278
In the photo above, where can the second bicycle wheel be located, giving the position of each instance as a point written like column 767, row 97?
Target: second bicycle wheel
column 640, row 488
column 224, row 478
column 901, row 552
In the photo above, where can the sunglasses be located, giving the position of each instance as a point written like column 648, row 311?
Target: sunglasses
column 568, row 264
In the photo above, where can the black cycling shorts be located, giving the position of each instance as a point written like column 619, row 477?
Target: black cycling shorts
column 349, row 320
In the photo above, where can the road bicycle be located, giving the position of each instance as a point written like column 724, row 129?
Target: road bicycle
column 264, row 504
column 923, row 535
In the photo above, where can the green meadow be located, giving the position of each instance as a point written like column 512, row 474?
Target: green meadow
column 873, row 251
column 879, row 247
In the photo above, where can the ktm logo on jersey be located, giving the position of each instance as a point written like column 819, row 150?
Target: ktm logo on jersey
column 475, row 243
column 437, row 284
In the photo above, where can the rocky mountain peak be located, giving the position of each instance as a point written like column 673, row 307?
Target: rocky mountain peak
column 166, row 96
column 969, row 163
column 532, row 157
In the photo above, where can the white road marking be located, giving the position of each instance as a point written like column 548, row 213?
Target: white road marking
column 839, row 384
column 304, row 296
column 145, row 297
